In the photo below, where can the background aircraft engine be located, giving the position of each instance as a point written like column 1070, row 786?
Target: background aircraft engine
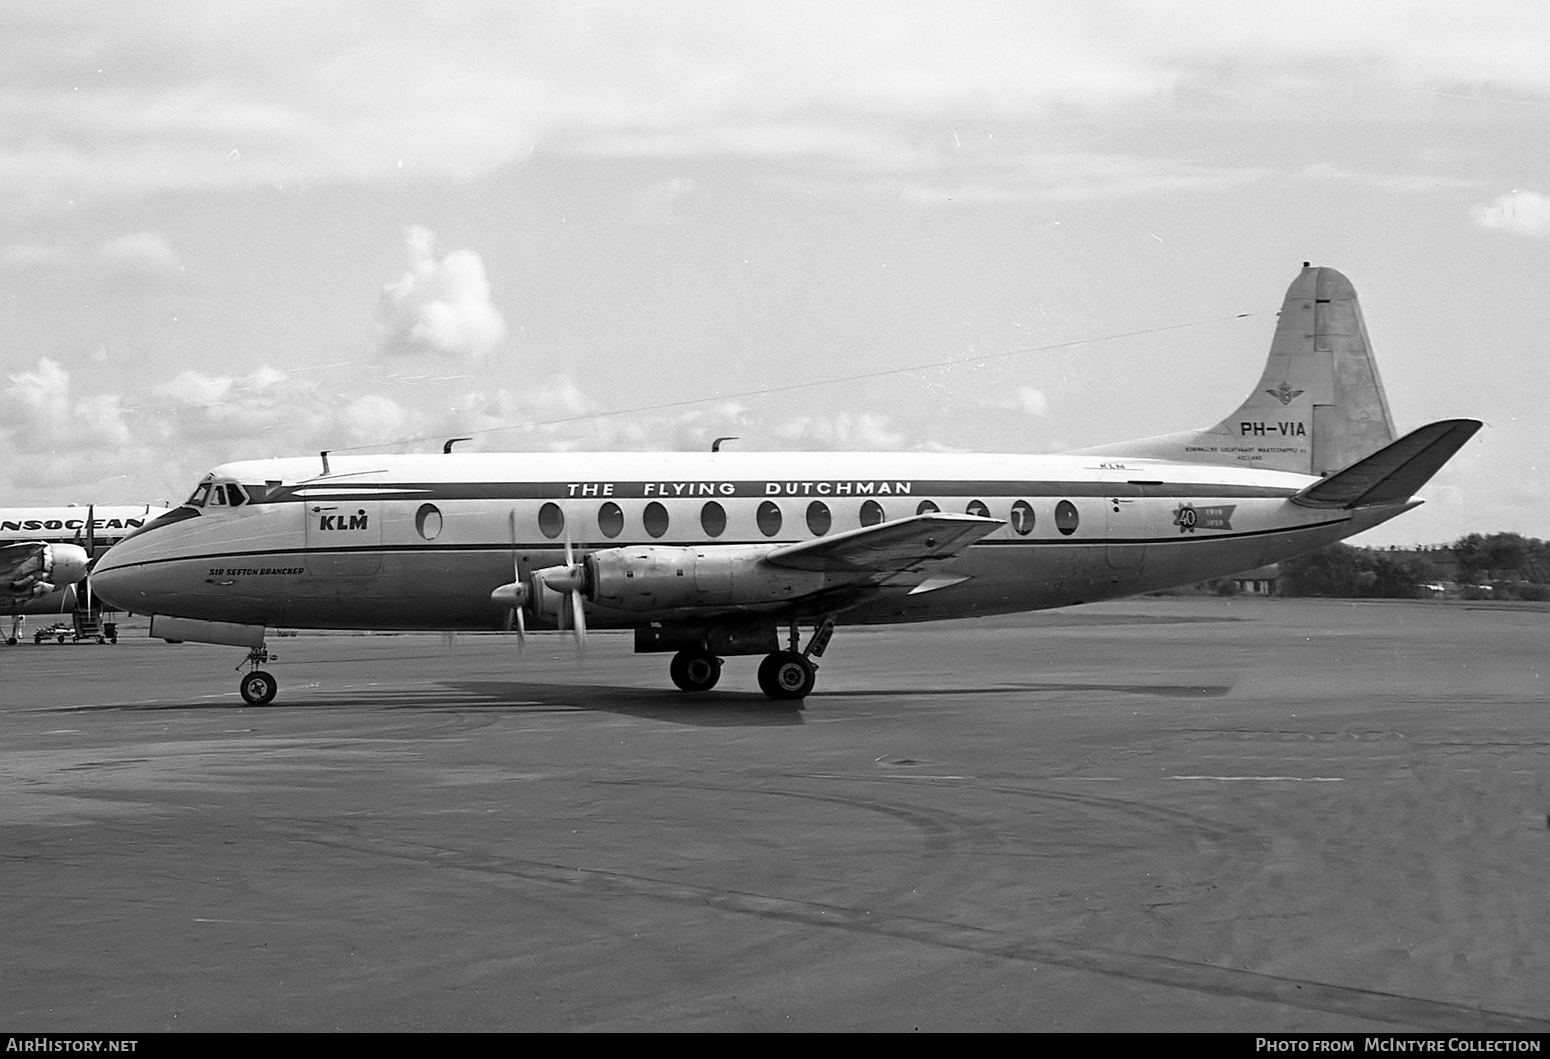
column 53, row 566
column 66, row 563
column 643, row 579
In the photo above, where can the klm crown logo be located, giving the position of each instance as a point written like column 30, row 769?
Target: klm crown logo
column 1284, row 393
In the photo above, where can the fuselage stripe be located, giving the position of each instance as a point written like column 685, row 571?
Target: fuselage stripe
column 556, row 546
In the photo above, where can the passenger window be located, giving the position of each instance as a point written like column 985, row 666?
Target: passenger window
column 927, row 508
column 610, row 519
column 713, row 519
column 871, row 513
column 1066, row 518
column 551, row 521
column 655, row 519
column 977, row 507
column 768, row 518
column 818, row 518
column 1022, row 518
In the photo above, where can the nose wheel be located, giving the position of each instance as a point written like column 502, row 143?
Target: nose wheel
column 256, row 686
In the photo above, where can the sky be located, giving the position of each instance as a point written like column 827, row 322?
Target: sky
column 231, row 230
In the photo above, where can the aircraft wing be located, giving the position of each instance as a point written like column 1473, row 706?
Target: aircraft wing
column 873, row 554
column 1393, row 473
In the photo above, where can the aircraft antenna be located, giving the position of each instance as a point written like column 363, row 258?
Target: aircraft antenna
column 324, row 454
column 715, row 446
column 447, row 448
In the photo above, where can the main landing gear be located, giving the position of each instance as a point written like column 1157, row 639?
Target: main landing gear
column 786, row 675
column 257, row 687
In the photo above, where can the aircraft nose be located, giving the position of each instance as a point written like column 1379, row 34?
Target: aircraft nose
column 121, row 584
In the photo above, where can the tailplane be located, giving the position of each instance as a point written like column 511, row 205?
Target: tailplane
column 1318, row 407
column 1393, row 474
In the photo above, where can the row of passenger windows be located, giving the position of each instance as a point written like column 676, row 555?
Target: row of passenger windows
column 769, row 517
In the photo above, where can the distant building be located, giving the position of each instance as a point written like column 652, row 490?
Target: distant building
column 1260, row 581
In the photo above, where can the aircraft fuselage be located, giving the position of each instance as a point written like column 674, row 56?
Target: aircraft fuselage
column 420, row 541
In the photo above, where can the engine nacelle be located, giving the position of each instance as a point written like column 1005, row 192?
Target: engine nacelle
column 644, row 578
column 50, row 568
column 65, row 564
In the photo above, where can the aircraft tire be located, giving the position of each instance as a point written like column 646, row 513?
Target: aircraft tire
column 695, row 670
column 787, row 675
column 258, row 688
column 11, row 640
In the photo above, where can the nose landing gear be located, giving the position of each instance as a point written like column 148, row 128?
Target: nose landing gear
column 256, row 686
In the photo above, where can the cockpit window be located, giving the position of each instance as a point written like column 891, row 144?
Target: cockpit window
column 224, row 495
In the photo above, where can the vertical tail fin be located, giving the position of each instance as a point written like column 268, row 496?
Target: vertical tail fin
column 1318, row 407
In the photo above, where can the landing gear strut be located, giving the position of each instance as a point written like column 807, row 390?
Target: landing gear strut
column 257, row 687
column 695, row 670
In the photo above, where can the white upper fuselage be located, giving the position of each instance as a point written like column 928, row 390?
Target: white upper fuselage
column 421, row 541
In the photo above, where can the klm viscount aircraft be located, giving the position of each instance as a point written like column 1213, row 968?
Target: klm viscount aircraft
column 716, row 554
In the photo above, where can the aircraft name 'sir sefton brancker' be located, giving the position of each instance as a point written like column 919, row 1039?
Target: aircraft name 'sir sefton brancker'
column 716, row 554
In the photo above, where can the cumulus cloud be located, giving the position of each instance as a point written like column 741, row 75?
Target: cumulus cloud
column 1030, row 400
column 441, row 307
column 141, row 255
column 42, row 413
column 374, row 418
column 331, row 94
column 237, row 408
column 844, row 430
column 1517, row 212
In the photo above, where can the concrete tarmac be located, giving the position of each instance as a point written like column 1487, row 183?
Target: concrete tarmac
column 1151, row 815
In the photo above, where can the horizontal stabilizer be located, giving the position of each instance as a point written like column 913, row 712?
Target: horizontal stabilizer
column 1393, row 473
column 888, row 547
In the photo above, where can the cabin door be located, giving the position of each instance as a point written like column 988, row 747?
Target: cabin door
column 343, row 540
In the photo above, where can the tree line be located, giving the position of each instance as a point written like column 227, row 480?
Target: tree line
column 1488, row 566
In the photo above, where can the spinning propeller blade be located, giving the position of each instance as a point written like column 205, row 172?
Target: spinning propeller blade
column 575, row 574
column 91, row 549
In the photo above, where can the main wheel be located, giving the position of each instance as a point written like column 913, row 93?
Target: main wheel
column 258, row 688
column 695, row 670
column 787, row 675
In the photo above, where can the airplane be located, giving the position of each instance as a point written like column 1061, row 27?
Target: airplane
column 711, row 555
column 45, row 552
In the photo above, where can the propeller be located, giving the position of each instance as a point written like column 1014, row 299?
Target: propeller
column 514, row 597
column 570, row 579
column 91, row 550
